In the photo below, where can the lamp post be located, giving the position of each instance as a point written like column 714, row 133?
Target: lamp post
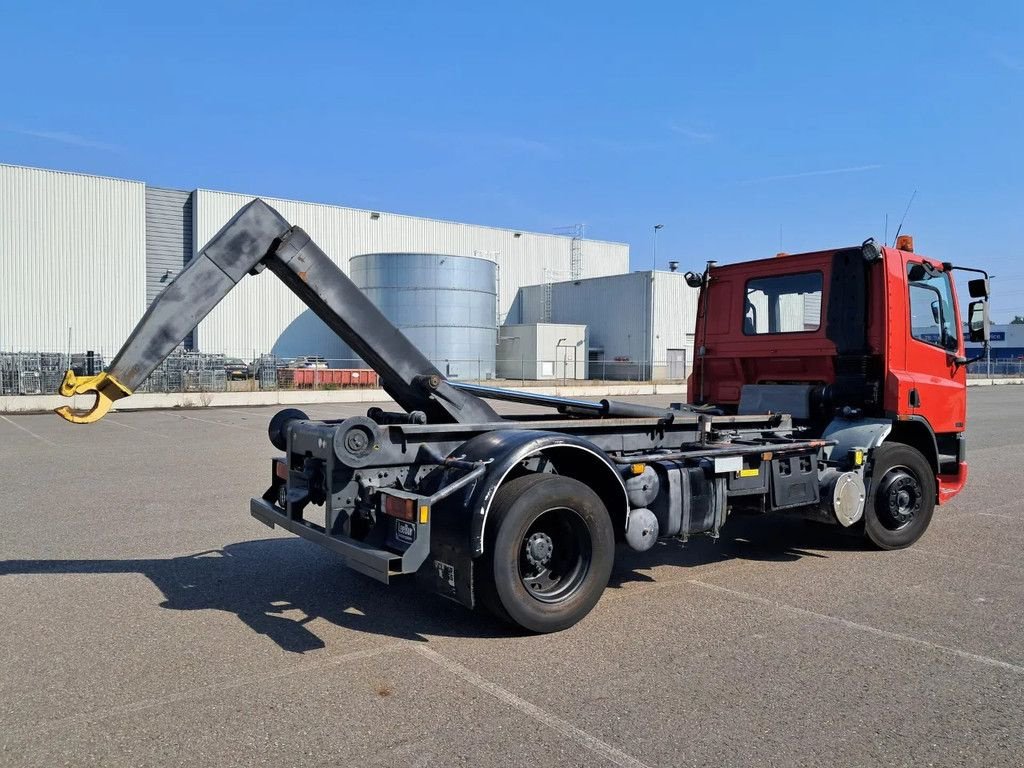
column 649, row 321
column 558, row 345
column 988, row 349
column 654, row 260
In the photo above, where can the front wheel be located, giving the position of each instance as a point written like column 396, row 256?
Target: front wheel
column 901, row 497
column 549, row 552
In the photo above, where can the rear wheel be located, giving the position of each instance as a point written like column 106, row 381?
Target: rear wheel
column 901, row 498
column 549, row 552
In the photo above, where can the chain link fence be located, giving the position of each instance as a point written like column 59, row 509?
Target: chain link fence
column 40, row 373
column 996, row 368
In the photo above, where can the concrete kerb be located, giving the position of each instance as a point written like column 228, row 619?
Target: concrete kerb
column 993, row 382
column 154, row 400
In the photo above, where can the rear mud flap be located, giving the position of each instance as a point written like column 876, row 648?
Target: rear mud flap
column 449, row 572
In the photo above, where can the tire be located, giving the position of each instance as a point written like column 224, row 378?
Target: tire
column 548, row 554
column 901, row 496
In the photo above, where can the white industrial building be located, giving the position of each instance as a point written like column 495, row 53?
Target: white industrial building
column 540, row 351
column 72, row 260
column 1007, row 341
column 82, row 256
column 640, row 325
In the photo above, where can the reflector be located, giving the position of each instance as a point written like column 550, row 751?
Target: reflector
column 403, row 509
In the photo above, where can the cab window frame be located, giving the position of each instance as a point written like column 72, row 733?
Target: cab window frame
column 946, row 301
column 762, row 278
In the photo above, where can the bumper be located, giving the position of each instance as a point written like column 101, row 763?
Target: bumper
column 378, row 563
column 951, row 485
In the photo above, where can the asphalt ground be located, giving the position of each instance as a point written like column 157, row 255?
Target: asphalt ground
column 147, row 619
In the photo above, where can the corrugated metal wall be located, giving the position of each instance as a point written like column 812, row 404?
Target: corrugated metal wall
column 72, row 255
column 168, row 236
column 616, row 310
column 260, row 310
column 168, row 240
column 675, row 312
column 89, row 253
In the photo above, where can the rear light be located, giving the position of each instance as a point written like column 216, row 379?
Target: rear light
column 280, row 469
column 403, row 509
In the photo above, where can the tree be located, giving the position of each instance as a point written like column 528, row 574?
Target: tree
column 1017, row 320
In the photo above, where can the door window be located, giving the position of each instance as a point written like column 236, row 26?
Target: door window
column 932, row 319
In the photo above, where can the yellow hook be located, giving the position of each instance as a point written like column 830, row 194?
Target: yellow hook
column 107, row 389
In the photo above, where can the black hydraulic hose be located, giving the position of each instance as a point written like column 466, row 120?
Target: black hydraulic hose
column 570, row 406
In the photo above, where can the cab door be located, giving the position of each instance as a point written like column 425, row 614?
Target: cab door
column 934, row 342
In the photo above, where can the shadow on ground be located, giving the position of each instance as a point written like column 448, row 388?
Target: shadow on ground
column 767, row 538
column 261, row 581
column 269, row 582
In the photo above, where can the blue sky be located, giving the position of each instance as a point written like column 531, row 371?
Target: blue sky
column 738, row 126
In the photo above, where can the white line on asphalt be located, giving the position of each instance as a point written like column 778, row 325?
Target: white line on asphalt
column 607, row 751
column 202, row 690
column 1015, row 504
column 255, row 410
column 627, row 588
column 594, row 744
column 26, row 429
column 221, row 423
column 964, row 560
column 989, row 449
column 1001, row 517
column 988, row 660
column 109, row 420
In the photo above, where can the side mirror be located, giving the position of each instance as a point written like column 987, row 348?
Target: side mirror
column 978, row 288
column 977, row 319
column 936, row 313
column 694, row 279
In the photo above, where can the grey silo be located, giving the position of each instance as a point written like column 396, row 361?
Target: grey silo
column 445, row 304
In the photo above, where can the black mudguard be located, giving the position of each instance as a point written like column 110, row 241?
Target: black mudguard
column 459, row 525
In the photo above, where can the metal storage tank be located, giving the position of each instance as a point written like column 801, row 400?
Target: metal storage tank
column 446, row 305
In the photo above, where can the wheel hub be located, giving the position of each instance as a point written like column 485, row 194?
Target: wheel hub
column 902, row 494
column 555, row 555
column 539, row 549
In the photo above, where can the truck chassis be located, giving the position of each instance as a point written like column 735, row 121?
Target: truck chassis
column 519, row 514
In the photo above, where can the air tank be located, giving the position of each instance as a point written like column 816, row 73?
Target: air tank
column 446, row 305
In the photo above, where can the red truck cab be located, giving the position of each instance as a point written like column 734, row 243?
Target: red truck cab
column 867, row 335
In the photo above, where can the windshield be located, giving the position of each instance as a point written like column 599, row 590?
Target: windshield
column 932, row 319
